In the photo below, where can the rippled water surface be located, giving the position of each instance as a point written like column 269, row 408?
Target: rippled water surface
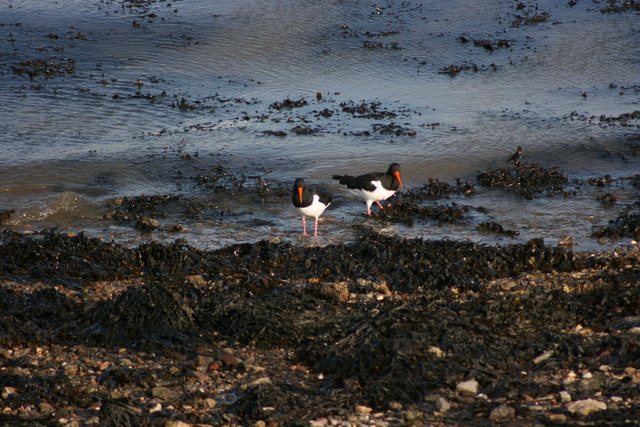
column 144, row 97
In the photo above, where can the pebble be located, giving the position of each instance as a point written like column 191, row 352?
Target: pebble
column 202, row 361
column 161, row 392
column 196, row 280
column 443, row 405
column 395, row 405
column 565, row 397
column 413, row 415
column 156, row 408
column 230, row 361
column 586, row 406
column 467, row 387
column 45, row 408
column 320, row 422
column 210, row 403
column 557, row 417
column 176, row 424
column 436, row 351
column 361, row 409
column 502, row 412
column 544, row 356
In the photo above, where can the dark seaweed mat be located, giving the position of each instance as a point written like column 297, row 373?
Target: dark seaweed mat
column 385, row 348
column 627, row 224
column 378, row 351
column 525, row 179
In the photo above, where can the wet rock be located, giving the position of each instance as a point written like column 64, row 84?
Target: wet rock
column 370, row 110
column 147, row 224
column 494, row 227
column 289, row 104
column 5, row 215
column 586, row 406
column 305, row 130
column 279, row 133
column 625, row 225
column 607, row 199
column 565, row 397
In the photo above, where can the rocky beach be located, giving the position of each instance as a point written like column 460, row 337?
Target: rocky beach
column 152, row 271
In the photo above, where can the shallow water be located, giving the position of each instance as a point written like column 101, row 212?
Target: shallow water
column 74, row 142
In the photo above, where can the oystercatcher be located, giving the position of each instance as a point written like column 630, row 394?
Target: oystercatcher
column 374, row 186
column 309, row 202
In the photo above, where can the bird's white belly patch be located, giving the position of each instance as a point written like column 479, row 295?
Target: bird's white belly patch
column 380, row 193
column 315, row 209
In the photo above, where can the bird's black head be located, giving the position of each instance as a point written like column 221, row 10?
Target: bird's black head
column 298, row 189
column 298, row 184
column 394, row 170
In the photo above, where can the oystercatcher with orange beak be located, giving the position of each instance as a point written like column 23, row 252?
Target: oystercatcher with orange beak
column 374, row 186
column 310, row 202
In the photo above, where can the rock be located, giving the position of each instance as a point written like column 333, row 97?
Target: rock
column 335, row 291
column 71, row 370
column 565, row 397
column 586, row 406
column 502, row 412
column 202, row 361
column 412, row 415
column 361, row 409
column 8, row 391
column 45, row 408
column 147, row 224
column 544, row 356
column 443, row 405
column 196, row 280
column 161, row 392
column 176, row 424
column 320, row 422
column 467, row 387
column 210, row 403
column 436, row 351
column 230, row 361
column 260, row 381
column 557, row 417
column 260, row 423
column 156, row 408
column 395, row 405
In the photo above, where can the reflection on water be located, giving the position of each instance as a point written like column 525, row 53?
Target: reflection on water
column 156, row 82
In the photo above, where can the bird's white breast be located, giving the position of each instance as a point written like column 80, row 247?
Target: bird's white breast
column 380, row 193
column 315, row 209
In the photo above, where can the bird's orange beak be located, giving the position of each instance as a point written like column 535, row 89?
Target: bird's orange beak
column 397, row 175
column 300, row 193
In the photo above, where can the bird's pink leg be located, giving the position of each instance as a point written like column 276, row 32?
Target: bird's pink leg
column 379, row 204
column 315, row 231
column 304, row 226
